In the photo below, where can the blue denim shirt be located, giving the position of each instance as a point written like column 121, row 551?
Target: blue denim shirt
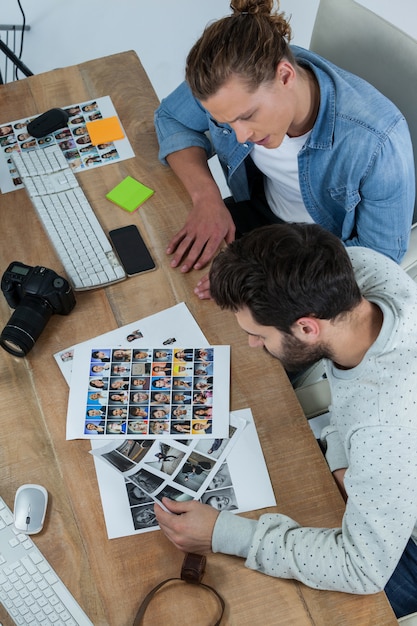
column 356, row 170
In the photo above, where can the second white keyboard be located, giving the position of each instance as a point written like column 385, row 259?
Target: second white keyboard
column 30, row 590
column 68, row 218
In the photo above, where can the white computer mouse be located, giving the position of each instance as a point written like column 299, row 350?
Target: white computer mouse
column 30, row 504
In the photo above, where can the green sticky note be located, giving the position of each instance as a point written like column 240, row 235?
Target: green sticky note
column 129, row 194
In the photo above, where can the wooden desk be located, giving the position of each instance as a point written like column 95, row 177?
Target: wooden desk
column 109, row 578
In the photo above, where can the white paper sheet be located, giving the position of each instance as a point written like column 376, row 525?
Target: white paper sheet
column 170, row 327
column 73, row 140
column 242, row 483
column 150, row 391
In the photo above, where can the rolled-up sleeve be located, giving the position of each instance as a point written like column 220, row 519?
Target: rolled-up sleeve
column 181, row 122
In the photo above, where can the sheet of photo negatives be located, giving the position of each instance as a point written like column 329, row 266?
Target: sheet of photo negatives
column 73, row 139
column 156, row 392
column 179, row 470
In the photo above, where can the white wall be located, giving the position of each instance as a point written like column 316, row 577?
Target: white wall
column 402, row 13
column 160, row 31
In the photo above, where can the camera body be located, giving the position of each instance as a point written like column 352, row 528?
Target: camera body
column 20, row 280
column 35, row 293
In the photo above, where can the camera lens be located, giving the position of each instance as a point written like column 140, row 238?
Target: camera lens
column 25, row 325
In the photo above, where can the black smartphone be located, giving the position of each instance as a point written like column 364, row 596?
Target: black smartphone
column 131, row 250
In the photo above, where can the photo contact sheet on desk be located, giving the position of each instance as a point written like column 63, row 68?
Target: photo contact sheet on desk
column 73, row 139
column 147, row 392
column 227, row 472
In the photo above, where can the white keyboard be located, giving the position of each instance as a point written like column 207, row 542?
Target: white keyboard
column 68, row 218
column 30, row 590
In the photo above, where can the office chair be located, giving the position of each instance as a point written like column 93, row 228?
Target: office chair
column 365, row 44
column 361, row 42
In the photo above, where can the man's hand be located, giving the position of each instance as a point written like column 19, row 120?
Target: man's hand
column 191, row 527
column 209, row 222
column 202, row 289
column 339, row 476
column 197, row 242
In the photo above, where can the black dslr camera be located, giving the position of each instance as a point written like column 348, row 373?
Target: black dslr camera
column 36, row 293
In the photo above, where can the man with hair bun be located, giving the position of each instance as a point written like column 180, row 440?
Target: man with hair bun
column 299, row 140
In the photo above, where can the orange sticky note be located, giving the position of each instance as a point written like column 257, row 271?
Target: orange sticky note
column 105, row 130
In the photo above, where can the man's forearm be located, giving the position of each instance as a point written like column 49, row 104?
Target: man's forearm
column 191, row 167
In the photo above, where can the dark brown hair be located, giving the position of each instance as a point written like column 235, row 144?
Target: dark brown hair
column 249, row 43
column 284, row 272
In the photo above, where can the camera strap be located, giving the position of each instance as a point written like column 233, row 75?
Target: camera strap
column 192, row 572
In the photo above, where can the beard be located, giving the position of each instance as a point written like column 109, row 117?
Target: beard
column 297, row 356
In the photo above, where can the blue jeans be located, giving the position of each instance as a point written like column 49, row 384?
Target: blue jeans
column 401, row 589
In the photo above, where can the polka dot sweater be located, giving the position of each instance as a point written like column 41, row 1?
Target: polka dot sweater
column 372, row 432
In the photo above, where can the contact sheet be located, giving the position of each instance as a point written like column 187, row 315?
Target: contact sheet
column 148, row 392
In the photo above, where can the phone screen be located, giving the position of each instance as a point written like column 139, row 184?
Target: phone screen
column 131, row 250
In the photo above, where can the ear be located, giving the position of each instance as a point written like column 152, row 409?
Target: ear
column 285, row 72
column 307, row 328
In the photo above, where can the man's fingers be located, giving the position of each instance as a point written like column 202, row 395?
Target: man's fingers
column 202, row 289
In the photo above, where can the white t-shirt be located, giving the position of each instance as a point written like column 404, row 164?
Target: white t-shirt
column 282, row 187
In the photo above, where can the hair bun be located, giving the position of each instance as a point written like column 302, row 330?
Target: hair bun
column 251, row 7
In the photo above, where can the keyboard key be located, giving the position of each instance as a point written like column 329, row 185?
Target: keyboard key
column 30, row 590
column 68, row 218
